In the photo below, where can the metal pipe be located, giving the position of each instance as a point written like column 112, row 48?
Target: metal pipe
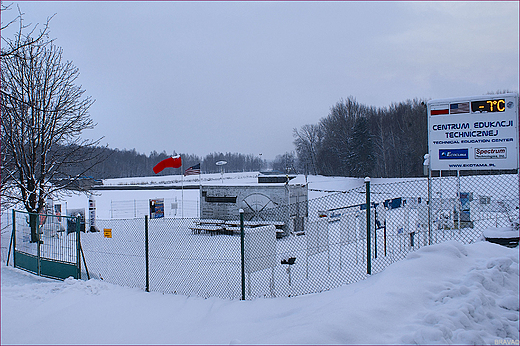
column 242, row 254
column 369, row 259
column 146, row 253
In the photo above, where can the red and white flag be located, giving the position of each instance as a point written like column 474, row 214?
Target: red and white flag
column 173, row 162
column 440, row 109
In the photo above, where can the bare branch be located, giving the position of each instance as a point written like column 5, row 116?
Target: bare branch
column 43, row 115
column 24, row 36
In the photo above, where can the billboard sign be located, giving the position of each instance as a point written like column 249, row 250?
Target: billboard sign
column 474, row 133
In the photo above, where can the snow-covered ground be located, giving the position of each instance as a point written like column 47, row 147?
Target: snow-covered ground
column 442, row 294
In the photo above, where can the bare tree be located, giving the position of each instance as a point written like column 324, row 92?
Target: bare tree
column 26, row 35
column 361, row 149
column 337, row 130
column 307, row 141
column 285, row 163
column 43, row 114
column 358, row 140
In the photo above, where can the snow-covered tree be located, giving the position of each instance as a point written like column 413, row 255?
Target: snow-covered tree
column 43, row 114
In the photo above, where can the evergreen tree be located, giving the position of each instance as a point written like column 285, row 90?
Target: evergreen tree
column 361, row 149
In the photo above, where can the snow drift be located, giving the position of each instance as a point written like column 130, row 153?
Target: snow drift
column 441, row 294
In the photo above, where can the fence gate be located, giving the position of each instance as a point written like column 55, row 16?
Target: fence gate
column 46, row 245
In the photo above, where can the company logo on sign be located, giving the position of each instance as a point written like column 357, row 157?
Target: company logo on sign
column 491, row 153
column 453, row 154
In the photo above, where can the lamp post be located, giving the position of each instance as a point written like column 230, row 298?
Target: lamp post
column 221, row 164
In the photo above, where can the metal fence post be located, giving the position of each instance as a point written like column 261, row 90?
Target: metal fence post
column 369, row 255
column 242, row 254
column 429, row 204
column 375, row 232
column 427, row 171
column 78, row 247
column 147, row 263
column 38, row 243
column 13, row 240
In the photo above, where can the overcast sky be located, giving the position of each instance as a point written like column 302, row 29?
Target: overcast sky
column 203, row 77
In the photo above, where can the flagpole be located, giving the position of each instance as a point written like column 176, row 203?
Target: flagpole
column 182, row 190
column 200, row 188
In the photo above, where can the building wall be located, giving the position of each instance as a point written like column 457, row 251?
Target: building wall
column 224, row 202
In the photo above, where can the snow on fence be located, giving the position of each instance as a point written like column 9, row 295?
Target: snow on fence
column 197, row 257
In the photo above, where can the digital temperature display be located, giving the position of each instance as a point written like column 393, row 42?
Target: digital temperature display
column 488, row 106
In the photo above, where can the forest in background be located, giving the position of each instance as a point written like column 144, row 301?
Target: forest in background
column 356, row 140
column 352, row 140
column 129, row 163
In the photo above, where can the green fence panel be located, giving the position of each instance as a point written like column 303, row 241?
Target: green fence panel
column 26, row 262
column 50, row 250
column 58, row 270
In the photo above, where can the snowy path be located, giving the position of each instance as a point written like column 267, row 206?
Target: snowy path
column 442, row 294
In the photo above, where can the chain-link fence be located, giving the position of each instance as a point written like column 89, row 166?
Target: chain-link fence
column 182, row 258
column 474, row 203
column 307, row 247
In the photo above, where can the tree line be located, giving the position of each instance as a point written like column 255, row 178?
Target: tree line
column 130, row 163
column 357, row 140
column 353, row 140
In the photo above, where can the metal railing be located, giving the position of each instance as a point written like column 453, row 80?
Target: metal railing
column 46, row 245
